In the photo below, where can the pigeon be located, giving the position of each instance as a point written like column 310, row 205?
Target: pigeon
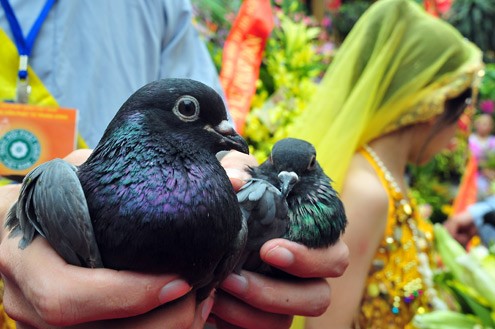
column 289, row 196
column 152, row 197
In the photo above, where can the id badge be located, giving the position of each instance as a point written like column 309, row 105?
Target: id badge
column 32, row 134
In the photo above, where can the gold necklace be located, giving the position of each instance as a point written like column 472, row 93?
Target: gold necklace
column 405, row 214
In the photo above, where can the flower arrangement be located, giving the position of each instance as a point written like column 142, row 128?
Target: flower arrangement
column 296, row 56
column 467, row 277
column 292, row 64
column 487, row 91
column 489, row 161
column 487, row 106
column 213, row 19
column 436, row 183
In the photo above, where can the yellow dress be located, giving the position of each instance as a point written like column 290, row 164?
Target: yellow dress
column 395, row 289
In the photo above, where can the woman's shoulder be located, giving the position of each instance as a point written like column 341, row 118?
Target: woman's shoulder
column 366, row 205
column 363, row 188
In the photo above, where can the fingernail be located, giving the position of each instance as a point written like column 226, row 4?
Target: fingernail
column 237, row 174
column 206, row 308
column 173, row 290
column 279, row 256
column 236, row 284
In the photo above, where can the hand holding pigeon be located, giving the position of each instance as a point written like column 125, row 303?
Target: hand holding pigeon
column 152, row 197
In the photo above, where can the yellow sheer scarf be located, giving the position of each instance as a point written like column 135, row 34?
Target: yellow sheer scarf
column 396, row 67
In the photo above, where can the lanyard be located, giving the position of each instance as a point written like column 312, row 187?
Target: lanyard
column 24, row 44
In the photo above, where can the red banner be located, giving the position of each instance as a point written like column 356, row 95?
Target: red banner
column 242, row 56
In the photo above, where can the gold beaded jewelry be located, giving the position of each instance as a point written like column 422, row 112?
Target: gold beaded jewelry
column 400, row 282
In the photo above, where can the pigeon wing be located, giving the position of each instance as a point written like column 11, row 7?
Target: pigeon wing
column 266, row 211
column 52, row 203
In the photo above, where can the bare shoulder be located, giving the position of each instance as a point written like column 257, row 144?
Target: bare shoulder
column 363, row 191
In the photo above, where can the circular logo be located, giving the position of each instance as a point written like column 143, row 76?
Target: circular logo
column 19, row 149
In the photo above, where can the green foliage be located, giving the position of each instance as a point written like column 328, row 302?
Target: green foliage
column 431, row 190
column 468, row 277
column 487, row 88
column 214, row 20
column 436, row 182
column 290, row 7
column 346, row 16
column 296, row 55
column 475, row 19
column 287, row 81
column 489, row 161
column 218, row 11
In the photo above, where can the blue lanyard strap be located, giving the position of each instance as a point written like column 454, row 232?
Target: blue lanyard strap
column 25, row 45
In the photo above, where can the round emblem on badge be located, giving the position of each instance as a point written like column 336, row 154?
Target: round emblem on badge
column 19, row 149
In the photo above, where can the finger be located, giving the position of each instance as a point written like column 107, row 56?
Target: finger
column 178, row 314
column 203, row 311
column 77, row 157
column 236, row 166
column 297, row 259
column 237, row 178
column 63, row 294
column 232, row 313
column 310, row 297
column 236, row 159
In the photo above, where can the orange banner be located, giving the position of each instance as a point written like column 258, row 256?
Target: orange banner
column 437, row 7
column 31, row 135
column 467, row 194
column 242, row 56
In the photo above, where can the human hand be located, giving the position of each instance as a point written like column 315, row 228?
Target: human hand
column 48, row 293
column 252, row 300
column 41, row 290
column 235, row 164
column 461, row 226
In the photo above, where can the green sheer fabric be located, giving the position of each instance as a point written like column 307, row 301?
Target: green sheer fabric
column 397, row 67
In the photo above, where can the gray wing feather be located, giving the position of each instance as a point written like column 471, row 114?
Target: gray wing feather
column 266, row 211
column 52, row 203
column 265, row 206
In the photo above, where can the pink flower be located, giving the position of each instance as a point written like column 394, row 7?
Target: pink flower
column 487, row 106
column 326, row 21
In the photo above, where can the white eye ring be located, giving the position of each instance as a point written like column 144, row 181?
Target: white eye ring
column 187, row 108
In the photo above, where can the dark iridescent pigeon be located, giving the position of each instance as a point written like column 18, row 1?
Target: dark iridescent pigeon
column 289, row 196
column 152, row 197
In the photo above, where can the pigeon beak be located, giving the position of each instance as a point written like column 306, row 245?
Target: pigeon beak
column 287, row 179
column 229, row 138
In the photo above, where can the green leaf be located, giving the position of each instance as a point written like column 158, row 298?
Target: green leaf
column 473, row 302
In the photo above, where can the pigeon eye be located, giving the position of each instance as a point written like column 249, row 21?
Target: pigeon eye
column 312, row 163
column 187, row 108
